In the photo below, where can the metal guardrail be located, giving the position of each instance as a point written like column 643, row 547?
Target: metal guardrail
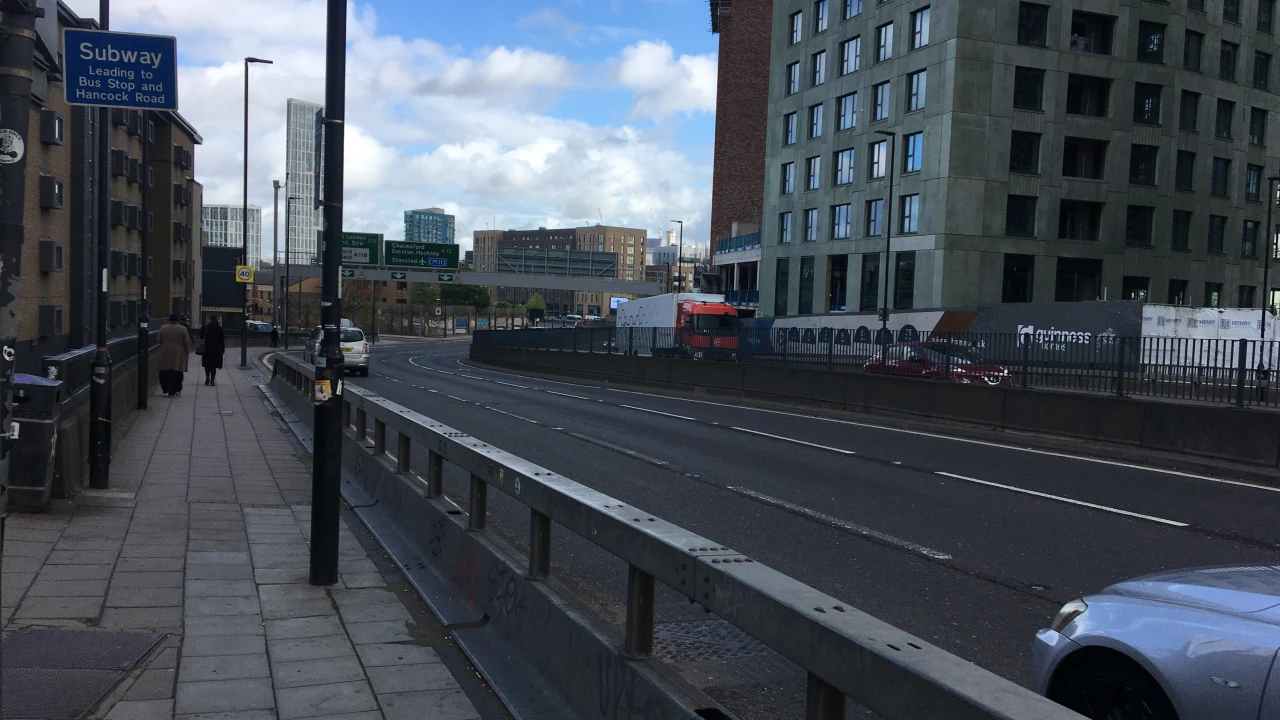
column 73, row 367
column 846, row 653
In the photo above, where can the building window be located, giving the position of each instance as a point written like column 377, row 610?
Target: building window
column 1184, row 171
column 1224, row 118
column 1177, row 292
column 1078, row 280
column 781, row 281
column 875, row 217
column 1218, row 181
column 788, row 183
column 1079, row 220
column 1257, row 126
column 1197, row 5
column 810, row 224
column 812, row 169
column 884, row 42
column 1146, row 104
column 844, row 167
column 1231, row 11
column 1135, row 288
column 789, row 129
column 1180, row 238
column 1245, row 299
column 1020, row 216
column 1213, row 294
column 904, row 280
column 1088, row 95
column 819, row 16
column 913, row 146
column 916, row 83
column 784, row 228
column 852, row 9
column 1253, row 183
column 869, row 297
column 806, row 285
column 920, row 28
column 850, row 55
column 793, row 78
column 879, row 158
column 815, row 121
column 819, row 68
column 1033, row 24
column 1189, row 111
column 880, row 109
column 1083, row 157
column 797, row 27
column 1142, row 164
column 840, row 215
column 847, row 117
column 1266, row 11
column 1261, row 70
column 1249, row 239
column 1137, row 226
column 1091, row 33
column 1024, row 153
column 1227, row 61
column 910, row 214
column 1217, row 234
column 1150, row 42
column 1028, row 88
column 1019, row 274
column 1192, row 49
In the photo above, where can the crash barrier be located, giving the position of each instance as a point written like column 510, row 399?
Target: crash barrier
column 1238, row 372
column 845, row 652
column 1220, row 432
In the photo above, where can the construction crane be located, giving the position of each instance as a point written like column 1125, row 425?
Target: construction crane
column 601, row 216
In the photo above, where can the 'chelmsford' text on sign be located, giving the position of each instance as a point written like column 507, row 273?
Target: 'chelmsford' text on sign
column 124, row 70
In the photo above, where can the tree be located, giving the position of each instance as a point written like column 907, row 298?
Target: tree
column 536, row 302
column 502, row 304
column 477, row 296
column 424, row 294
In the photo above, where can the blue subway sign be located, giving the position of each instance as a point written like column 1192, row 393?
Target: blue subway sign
column 124, row 70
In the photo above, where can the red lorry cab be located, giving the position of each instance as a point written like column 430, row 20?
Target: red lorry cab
column 707, row 327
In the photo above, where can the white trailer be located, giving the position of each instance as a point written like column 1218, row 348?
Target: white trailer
column 646, row 324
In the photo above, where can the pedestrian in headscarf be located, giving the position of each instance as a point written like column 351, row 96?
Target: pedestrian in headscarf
column 175, row 348
column 215, row 346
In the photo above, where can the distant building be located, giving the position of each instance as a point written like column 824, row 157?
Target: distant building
column 432, row 225
column 301, row 156
column 224, row 227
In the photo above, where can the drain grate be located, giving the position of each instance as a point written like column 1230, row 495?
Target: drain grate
column 701, row 640
column 52, row 674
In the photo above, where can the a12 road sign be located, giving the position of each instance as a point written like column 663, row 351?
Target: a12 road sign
column 435, row 256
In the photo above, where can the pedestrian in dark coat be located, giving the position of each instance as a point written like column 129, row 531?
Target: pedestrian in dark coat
column 175, row 348
column 215, row 346
column 275, row 336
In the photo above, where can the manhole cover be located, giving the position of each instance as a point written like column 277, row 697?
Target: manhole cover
column 54, row 674
column 698, row 640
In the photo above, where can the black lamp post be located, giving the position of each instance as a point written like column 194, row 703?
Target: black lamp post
column 244, row 215
column 888, row 236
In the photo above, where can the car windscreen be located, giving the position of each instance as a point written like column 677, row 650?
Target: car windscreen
column 715, row 322
column 351, row 335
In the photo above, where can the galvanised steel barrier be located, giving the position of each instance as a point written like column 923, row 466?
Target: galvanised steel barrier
column 846, row 652
column 1240, row 372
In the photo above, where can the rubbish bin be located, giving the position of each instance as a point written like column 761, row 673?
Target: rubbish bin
column 36, row 410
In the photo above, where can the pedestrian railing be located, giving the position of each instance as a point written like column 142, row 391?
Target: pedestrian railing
column 846, row 653
column 1235, row 371
column 73, row 367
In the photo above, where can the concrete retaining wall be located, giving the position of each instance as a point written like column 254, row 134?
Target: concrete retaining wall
column 1211, row 431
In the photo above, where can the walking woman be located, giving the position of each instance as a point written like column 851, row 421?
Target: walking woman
column 215, row 345
column 175, row 348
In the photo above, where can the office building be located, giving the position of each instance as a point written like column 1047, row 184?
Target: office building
column 1037, row 152
column 302, row 159
column 224, row 227
column 432, row 225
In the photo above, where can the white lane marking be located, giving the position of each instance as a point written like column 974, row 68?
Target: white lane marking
column 499, row 382
column 526, row 377
column 793, row 440
column 454, row 397
column 659, row 412
column 508, row 414
column 836, row 522
column 921, row 433
column 575, row 397
column 1059, row 498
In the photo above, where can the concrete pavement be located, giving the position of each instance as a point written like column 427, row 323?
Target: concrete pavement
column 203, row 538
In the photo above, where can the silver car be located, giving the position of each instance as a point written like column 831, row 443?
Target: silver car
column 1180, row 645
column 355, row 349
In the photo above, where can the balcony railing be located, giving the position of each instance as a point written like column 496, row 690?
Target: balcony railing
column 750, row 241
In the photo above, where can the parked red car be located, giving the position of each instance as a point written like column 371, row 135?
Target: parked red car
column 930, row 360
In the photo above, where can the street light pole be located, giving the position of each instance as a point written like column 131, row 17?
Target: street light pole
column 275, row 255
column 100, row 385
column 288, row 216
column 888, row 236
column 1270, row 248
column 244, row 217
column 680, row 254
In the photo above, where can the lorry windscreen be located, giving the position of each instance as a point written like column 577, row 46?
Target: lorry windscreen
column 715, row 322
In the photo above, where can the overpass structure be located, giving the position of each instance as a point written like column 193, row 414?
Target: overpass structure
column 520, row 280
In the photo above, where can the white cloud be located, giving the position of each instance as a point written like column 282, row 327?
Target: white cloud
column 430, row 125
column 550, row 18
column 665, row 85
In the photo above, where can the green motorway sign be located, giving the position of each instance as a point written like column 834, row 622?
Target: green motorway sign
column 436, row 256
column 360, row 248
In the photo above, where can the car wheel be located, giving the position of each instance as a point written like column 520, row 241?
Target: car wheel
column 1112, row 688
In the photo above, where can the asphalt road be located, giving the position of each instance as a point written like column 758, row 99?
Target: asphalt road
column 972, row 546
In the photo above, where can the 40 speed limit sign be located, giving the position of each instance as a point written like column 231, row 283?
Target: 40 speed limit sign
column 244, row 273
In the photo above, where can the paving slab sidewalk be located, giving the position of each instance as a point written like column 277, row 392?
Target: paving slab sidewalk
column 203, row 536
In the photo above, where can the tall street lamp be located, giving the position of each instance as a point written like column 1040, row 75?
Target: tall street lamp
column 888, row 235
column 275, row 255
column 244, row 215
column 1268, row 250
column 680, row 254
column 288, row 216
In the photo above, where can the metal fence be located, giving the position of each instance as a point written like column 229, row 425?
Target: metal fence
column 844, row 651
column 1241, row 372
